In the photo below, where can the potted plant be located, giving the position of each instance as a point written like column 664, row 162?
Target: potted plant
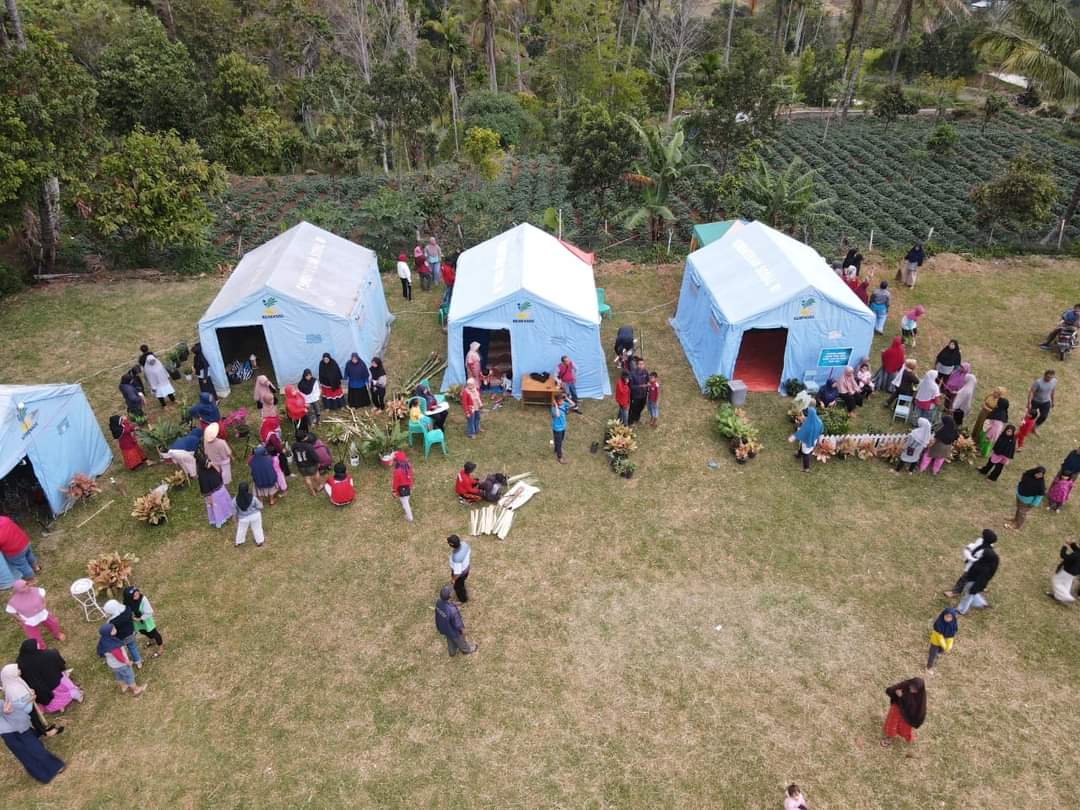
column 717, row 387
column 624, row 466
column 793, row 385
column 111, row 573
column 153, row 507
column 81, row 487
column 189, row 373
column 159, row 435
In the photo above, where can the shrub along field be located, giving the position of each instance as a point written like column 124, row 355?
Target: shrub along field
column 887, row 180
column 696, row 636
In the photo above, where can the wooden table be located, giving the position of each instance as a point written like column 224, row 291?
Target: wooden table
column 537, row 393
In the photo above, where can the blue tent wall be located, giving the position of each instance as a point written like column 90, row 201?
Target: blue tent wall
column 537, row 342
column 297, row 335
column 701, row 329
column 57, row 431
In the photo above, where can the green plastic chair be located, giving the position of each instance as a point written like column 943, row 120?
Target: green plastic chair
column 605, row 309
column 444, row 313
column 427, row 384
column 417, row 428
column 433, row 437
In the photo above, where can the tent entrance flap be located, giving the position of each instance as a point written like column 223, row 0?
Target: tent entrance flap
column 22, row 496
column 494, row 347
column 241, row 342
column 761, row 359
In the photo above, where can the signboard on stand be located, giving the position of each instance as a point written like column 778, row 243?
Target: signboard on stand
column 836, row 357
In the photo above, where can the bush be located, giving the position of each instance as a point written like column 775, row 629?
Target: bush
column 943, row 139
column 194, row 261
column 793, row 385
column 836, row 420
column 503, row 114
column 717, row 387
column 11, row 279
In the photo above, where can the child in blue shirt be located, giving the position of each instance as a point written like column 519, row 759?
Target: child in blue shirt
column 558, row 423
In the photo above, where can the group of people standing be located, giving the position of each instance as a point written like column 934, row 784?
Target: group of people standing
column 636, row 390
column 430, row 267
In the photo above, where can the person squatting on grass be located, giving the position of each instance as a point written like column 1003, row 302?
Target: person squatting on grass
column 794, row 799
column 340, row 488
column 465, row 487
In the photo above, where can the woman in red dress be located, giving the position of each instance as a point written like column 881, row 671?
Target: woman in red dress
column 124, row 432
column 907, row 710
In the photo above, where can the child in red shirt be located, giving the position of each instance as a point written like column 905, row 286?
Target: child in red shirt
column 1026, row 426
column 465, row 486
column 652, row 401
column 340, row 487
column 622, row 398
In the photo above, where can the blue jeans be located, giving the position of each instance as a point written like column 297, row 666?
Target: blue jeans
column 558, row 436
column 921, row 413
column 881, row 312
column 133, row 649
column 124, row 675
column 970, row 600
column 436, row 274
column 571, row 391
column 624, row 416
column 23, row 562
column 472, row 424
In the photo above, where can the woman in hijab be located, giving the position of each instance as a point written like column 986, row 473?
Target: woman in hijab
column 123, row 620
column 248, row 515
column 218, row 452
column 340, row 488
column 309, row 387
column 826, row 395
column 202, row 371
column 953, row 383
column 807, row 436
column 948, row 359
column 939, row 452
column 909, row 324
column 182, row 451
column 927, row 395
column 472, row 362
column 907, row 710
column 1002, row 453
column 420, row 265
column 405, row 275
column 123, row 431
column 942, row 635
column 356, row 372
column 435, row 411
column 112, row 649
column 917, row 441
column 892, row 363
column 330, row 383
column 378, row 383
column 133, row 399
column 25, row 744
column 472, row 403
column 1029, row 495
column 994, row 424
column 1061, row 583
column 401, row 482
column 988, row 405
column 46, row 672
column 263, row 475
column 296, row 408
column 19, row 698
column 847, row 388
column 219, row 506
column 27, row 606
column 142, row 614
column 961, row 403
column 264, row 389
column 159, row 380
column 205, row 410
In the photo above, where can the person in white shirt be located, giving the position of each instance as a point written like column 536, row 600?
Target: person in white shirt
column 460, row 559
column 972, row 552
column 794, row 799
column 405, row 274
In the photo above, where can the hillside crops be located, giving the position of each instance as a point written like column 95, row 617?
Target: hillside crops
column 886, row 181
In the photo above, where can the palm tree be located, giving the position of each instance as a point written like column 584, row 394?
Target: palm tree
column 450, row 30
column 784, row 200
column 906, row 10
column 663, row 161
column 1040, row 39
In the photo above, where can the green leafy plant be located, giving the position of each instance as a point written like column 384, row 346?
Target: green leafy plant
column 153, row 507
column 793, row 385
column 717, row 387
column 159, row 435
column 835, row 420
column 623, row 466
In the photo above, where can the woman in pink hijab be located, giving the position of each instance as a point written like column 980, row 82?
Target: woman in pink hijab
column 909, row 324
column 27, row 605
column 849, row 389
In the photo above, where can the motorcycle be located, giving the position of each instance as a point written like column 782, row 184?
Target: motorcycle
column 1067, row 340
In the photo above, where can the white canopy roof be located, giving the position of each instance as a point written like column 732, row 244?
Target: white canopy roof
column 524, row 259
column 307, row 264
column 753, row 268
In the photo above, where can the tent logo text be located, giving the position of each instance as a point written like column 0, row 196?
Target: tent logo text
column 27, row 419
column 523, row 315
column 806, row 309
column 270, row 309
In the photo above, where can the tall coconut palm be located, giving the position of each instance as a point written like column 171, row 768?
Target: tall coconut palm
column 449, row 29
column 1040, row 39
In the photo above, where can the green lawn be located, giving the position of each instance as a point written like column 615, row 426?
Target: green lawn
column 309, row 673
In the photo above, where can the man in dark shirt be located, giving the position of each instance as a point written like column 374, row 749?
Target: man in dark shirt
column 1069, row 318
column 448, row 622
column 639, row 388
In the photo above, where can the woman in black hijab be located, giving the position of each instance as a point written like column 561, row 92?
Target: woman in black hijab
column 907, row 710
column 308, row 386
column 202, row 370
column 378, row 383
column 948, row 360
column 133, row 400
column 45, row 671
column 941, row 449
column 1029, row 494
column 330, row 383
column 1002, row 454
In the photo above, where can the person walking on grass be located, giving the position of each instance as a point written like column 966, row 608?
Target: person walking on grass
column 112, row 650
column 1002, row 453
column 405, row 276
column 1029, row 494
column 912, row 262
column 420, row 267
column 622, row 397
column 460, row 560
column 27, row 605
column 248, row 516
column 142, row 612
column 16, row 548
column 448, row 622
column 972, row 552
column 401, row 482
column 1041, row 397
column 1060, row 490
column 1061, row 583
column 652, row 401
column 306, row 462
column 123, row 620
column 880, row 300
column 909, row 324
column 907, row 710
column 558, row 423
column 567, row 376
column 807, row 436
column 976, row 581
column 942, row 636
column 1027, row 425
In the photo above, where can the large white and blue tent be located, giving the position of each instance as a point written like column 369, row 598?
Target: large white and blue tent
column 53, row 428
column 757, row 303
column 305, row 292
column 538, row 291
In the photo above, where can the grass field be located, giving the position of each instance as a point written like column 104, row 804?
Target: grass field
column 309, row 673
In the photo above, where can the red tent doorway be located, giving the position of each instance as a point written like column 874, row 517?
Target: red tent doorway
column 761, row 359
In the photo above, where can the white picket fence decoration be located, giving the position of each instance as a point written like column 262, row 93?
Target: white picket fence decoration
column 879, row 439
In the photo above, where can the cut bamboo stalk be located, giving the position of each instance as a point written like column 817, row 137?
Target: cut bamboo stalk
column 504, row 525
column 472, row 523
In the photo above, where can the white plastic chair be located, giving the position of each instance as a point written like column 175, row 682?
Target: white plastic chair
column 82, row 591
column 902, row 411
column 810, row 381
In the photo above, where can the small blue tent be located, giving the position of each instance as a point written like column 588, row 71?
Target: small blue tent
column 53, row 428
column 760, row 306
column 527, row 298
column 303, row 293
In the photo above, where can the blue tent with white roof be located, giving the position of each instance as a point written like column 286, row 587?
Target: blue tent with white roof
column 52, row 427
column 759, row 305
column 305, row 292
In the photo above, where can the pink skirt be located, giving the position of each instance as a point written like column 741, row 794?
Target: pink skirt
column 996, row 459
column 63, row 694
column 281, row 483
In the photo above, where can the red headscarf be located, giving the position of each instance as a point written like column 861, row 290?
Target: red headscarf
column 892, row 358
